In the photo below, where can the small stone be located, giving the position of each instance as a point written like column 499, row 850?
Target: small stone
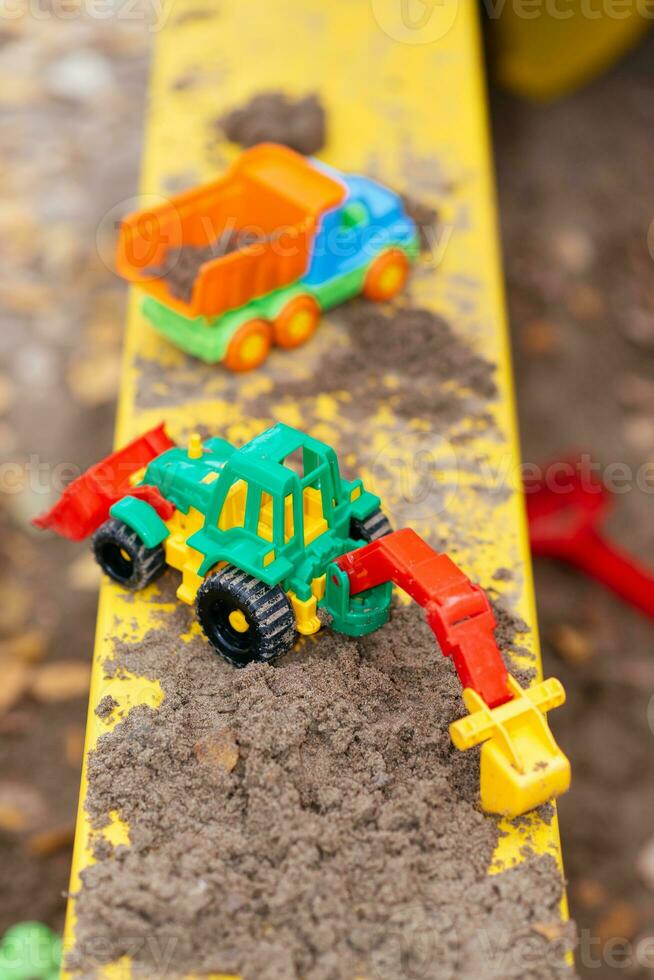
column 574, row 249
column 571, row 644
column 638, row 433
column 61, row 681
column 639, row 328
column 81, row 76
column 218, row 749
column 35, row 367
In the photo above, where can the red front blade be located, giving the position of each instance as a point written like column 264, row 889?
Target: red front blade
column 85, row 503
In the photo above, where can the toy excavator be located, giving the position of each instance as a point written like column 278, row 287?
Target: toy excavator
column 267, row 535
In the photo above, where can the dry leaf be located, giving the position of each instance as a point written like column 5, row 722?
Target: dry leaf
column 95, row 380
column 84, row 573
column 48, row 842
column 590, row 893
column 539, row 337
column 12, row 818
column 8, row 439
column 586, row 302
column 14, row 607
column 7, row 394
column 551, row 930
column 16, row 723
column 28, row 647
column 573, row 645
column 620, row 921
column 15, row 681
column 218, row 749
column 74, row 741
column 22, row 807
column 61, row 680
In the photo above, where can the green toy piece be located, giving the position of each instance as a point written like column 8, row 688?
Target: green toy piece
column 30, row 951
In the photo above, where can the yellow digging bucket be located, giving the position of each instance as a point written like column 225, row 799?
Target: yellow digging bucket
column 521, row 764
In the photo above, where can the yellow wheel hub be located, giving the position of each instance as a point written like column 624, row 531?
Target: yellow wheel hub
column 391, row 279
column 253, row 350
column 301, row 324
column 238, row 621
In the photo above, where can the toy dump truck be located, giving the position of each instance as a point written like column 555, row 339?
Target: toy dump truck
column 269, row 535
column 251, row 260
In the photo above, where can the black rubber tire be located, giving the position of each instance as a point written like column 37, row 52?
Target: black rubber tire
column 122, row 555
column 373, row 527
column 267, row 609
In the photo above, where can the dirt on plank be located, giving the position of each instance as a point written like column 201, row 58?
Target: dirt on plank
column 341, row 839
column 409, row 357
column 435, row 375
column 278, row 118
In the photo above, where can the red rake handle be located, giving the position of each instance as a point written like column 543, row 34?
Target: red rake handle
column 618, row 571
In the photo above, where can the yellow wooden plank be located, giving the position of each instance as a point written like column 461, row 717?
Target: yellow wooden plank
column 405, row 102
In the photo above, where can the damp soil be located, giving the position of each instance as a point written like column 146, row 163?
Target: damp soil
column 425, row 217
column 339, row 836
column 408, row 357
column 182, row 264
column 276, row 117
column 434, row 374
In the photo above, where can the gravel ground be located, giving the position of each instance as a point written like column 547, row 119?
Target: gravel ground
column 577, row 203
column 71, row 107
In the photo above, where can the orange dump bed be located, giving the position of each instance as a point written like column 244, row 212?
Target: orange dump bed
column 271, row 193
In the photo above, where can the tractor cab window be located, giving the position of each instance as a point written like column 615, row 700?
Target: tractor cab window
column 316, row 483
column 296, row 461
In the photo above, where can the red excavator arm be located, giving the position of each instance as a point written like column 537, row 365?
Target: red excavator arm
column 85, row 503
column 458, row 612
column 521, row 765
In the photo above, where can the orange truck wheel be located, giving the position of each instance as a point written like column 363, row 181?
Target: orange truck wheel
column 386, row 276
column 297, row 322
column 250, row 346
